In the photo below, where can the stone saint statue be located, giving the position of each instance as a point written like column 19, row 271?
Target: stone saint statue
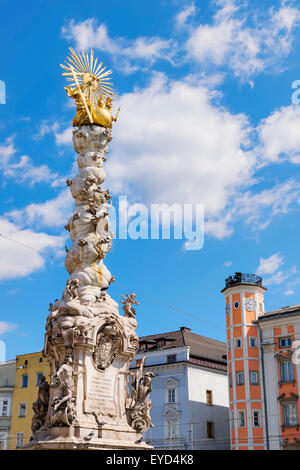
column 140, row 403
column 40, row 406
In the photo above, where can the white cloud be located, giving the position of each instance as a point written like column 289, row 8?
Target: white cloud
column 5, row 327
column 7, row 150
column 271, row 269
column 46, row 128
column 227, row 263
column 174, row 144
column 269, row 265
column 277, row 278
column 279, row 135
column 22, row 169
column 289, row 292
column 184, row 14
column 125, row 52
column 52, row 213
column 17, row 260
column 64, row 137
column 260, row 208
column 247, row 42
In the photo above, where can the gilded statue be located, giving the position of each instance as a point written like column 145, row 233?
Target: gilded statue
column 90, row 88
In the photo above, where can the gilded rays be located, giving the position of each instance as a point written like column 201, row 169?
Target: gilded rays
column 83, row 69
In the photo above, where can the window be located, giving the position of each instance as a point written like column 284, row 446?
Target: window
column 171, row 395
column 256, row 419
column 232, row 419
column 160, row 344
column 171, row 358
column 41, row 359
column 22, row 410
column 242, row 421
column 289, row 414
column 240, row 378
column 143, row 347
column 254, row 377
column 172, row 429
column 39, row 376
column 24, row 383
column 228, row 345
column 20, row 440
column 227, row 308
column 230, row 380
column 253, row 342
column 236, row 304
column 237, row 343
column 210, row 430
column 287, row 371
column 285, row 342
column 26, row 362
column 4, row 408
column 209, row 399
column 138, row 362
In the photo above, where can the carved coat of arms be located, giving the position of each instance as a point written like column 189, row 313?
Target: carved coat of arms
column 108, row 344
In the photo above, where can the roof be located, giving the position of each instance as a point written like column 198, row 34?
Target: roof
column 8, row 363
column 281, row 312
column 200, row 346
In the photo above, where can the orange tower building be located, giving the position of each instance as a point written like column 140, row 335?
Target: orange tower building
column 244, row 303
column 263, row 368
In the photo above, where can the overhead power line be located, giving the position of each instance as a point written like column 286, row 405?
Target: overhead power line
column 152, row 299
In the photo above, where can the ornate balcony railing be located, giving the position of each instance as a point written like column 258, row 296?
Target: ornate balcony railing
column 242, row 278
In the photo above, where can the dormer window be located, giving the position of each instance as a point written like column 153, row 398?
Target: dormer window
column 143, row 347
column 160, row 344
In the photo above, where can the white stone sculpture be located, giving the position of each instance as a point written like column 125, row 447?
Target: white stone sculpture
column 89, row 345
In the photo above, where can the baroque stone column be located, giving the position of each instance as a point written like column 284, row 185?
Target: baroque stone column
column 88, row 344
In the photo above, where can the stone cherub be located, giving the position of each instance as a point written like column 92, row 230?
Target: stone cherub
column 128, row 301
column 71, row 289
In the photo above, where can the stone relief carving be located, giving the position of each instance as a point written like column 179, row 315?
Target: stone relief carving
column 108, row 343
column 40, row 406
column 63, row 401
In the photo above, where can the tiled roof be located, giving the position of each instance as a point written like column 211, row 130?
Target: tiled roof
column 289, row 311
column 200, row 346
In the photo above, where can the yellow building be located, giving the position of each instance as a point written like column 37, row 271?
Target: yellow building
column 29, row 370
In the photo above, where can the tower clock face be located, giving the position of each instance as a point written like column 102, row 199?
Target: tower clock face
column 250, row 304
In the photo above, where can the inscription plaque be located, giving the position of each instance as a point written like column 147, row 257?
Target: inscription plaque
column 101, row 394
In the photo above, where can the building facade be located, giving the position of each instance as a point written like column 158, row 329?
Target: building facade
column 7, row 381
column 29, row 370
column 189, row 390
column 263, row 369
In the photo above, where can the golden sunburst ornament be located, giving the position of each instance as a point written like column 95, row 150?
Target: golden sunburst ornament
column 85, row 71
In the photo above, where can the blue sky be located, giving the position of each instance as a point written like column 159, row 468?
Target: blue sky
column 205, row 89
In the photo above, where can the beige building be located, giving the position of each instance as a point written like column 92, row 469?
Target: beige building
column 7, row 381
column 29, row 370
